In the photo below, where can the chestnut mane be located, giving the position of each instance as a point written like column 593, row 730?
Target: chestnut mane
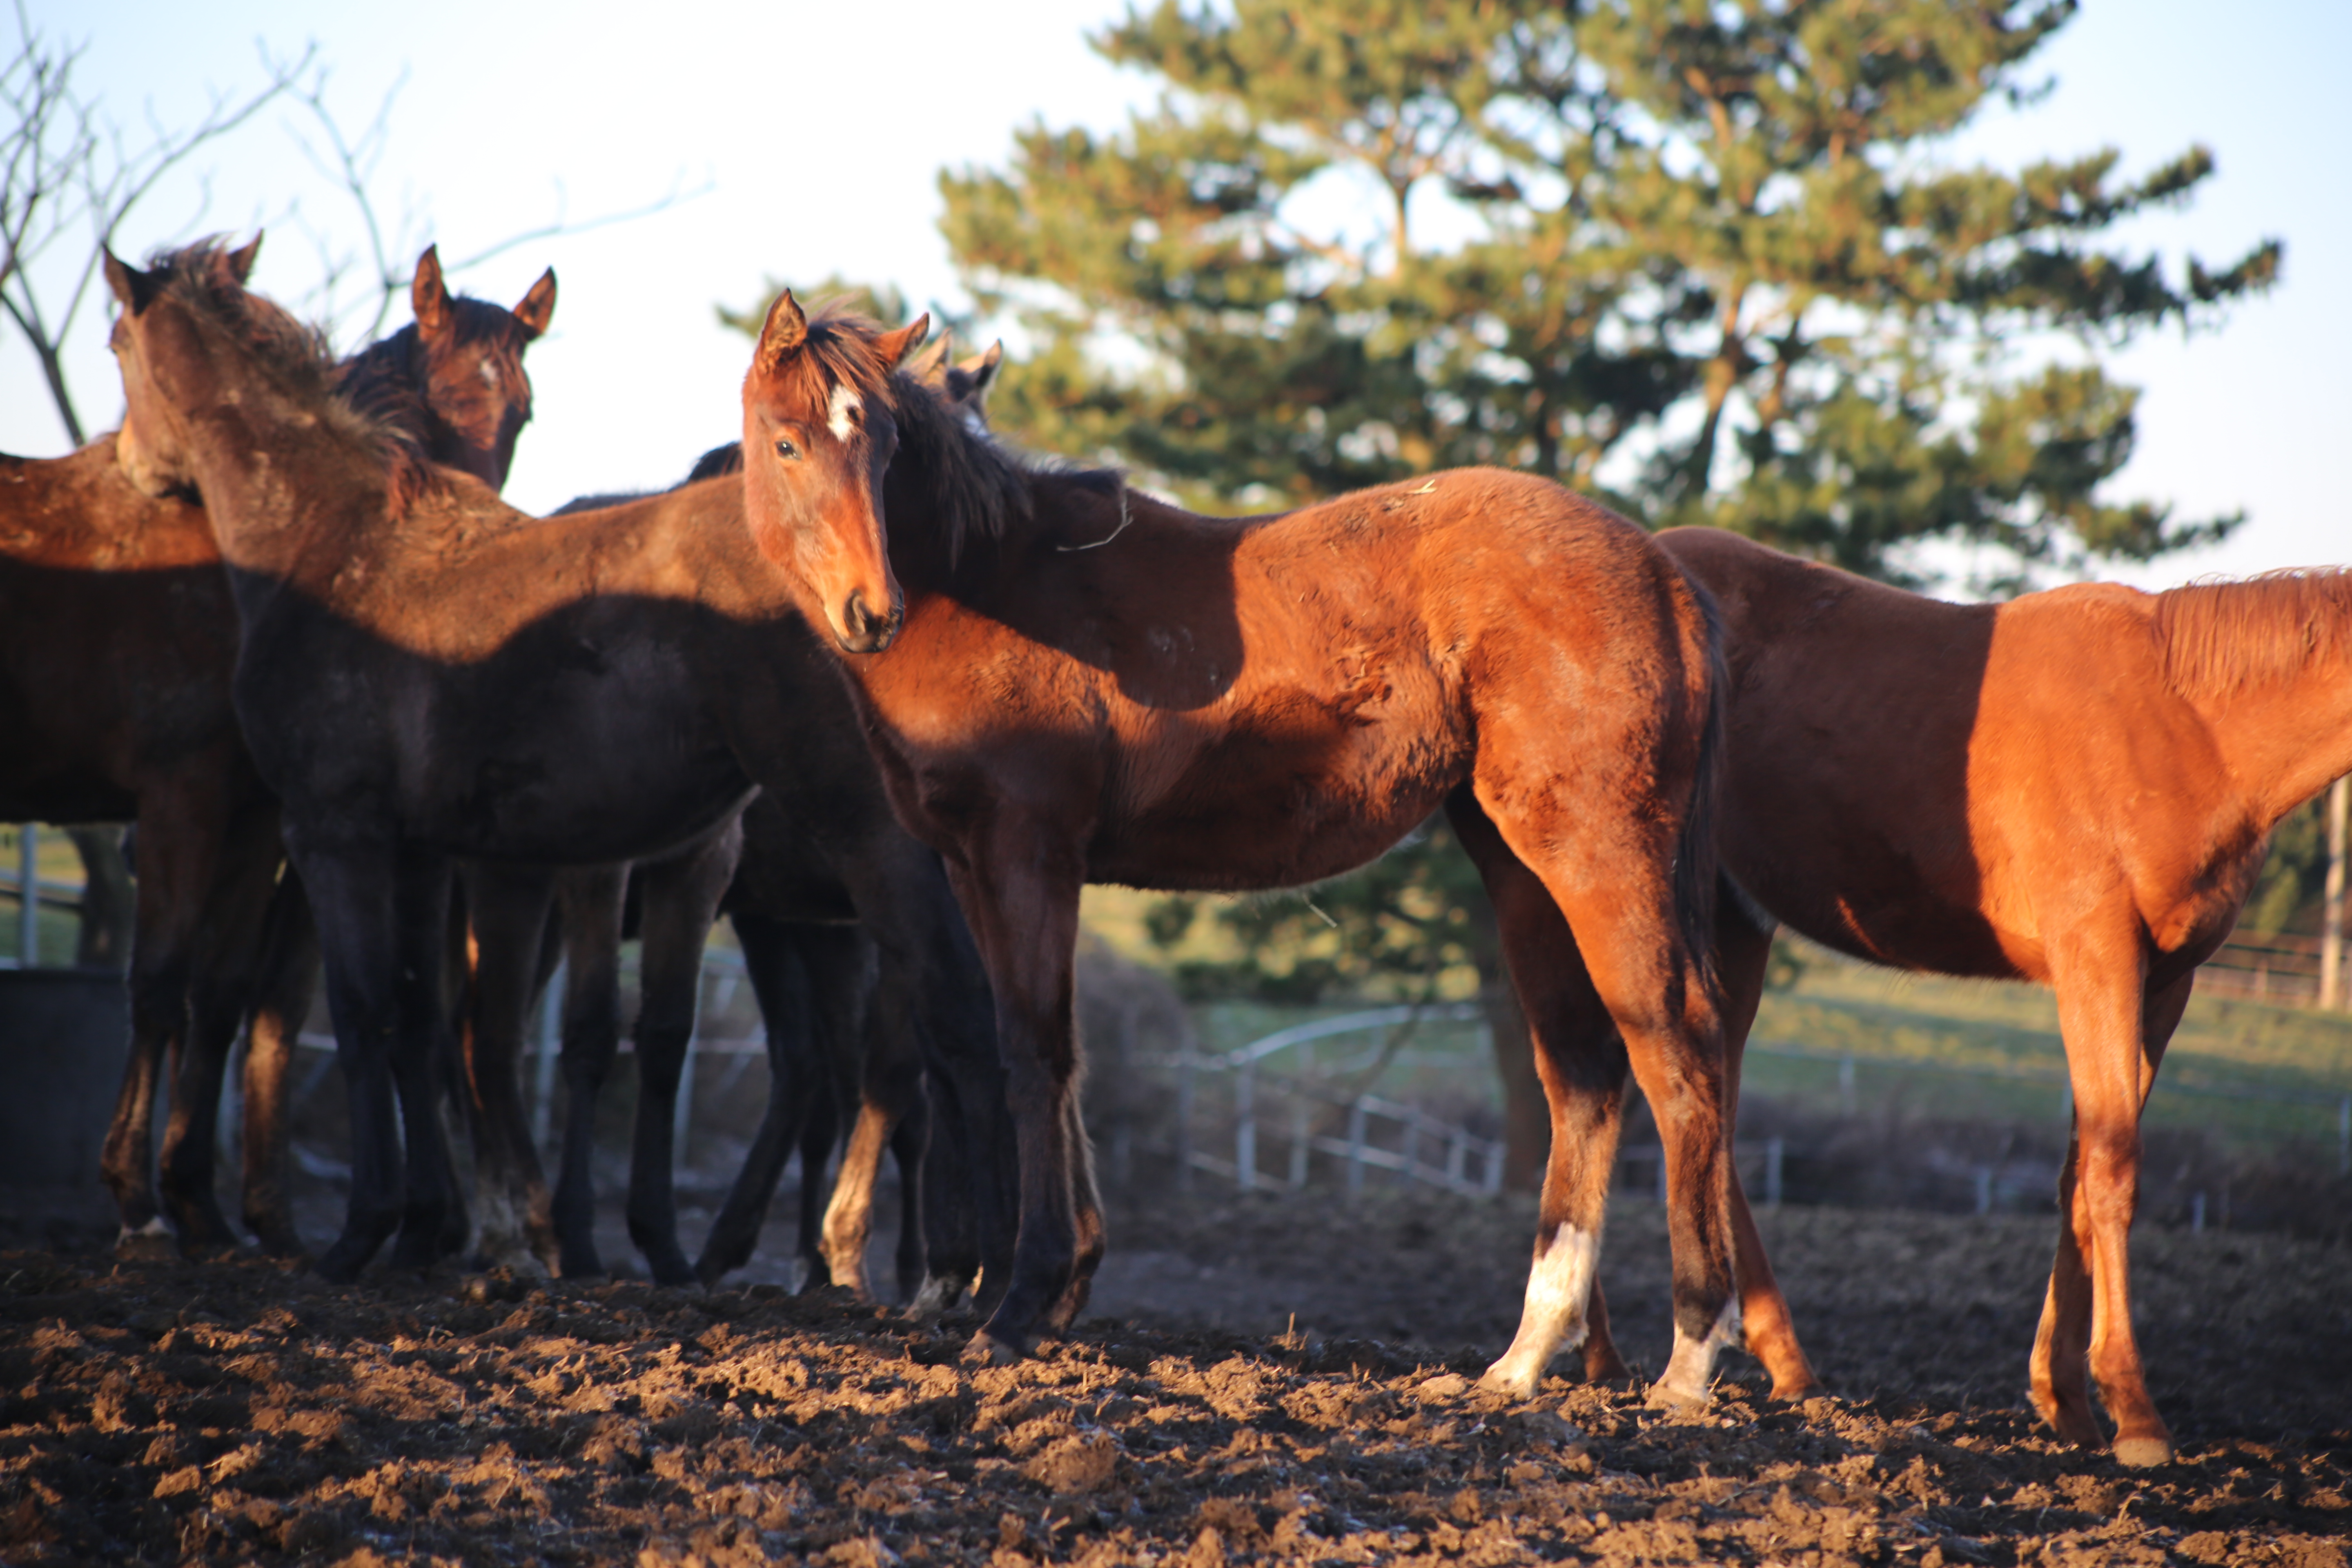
column 2220, row 638
column 297, row 358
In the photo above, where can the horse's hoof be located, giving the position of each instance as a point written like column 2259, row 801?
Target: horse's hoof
column 1498, row 1381
column 285, row 1247
column 1796, row 1393
column 336, row 1270
column 151, row 1243
column 2139, row 1452
column 987, row 1350
column 1665, row 1395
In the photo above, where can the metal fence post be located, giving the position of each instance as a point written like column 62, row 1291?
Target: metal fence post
column 551, row 1043
column 1184, row 1121
column 28, row 895
column 1299, row 1133
column 1246, row 1127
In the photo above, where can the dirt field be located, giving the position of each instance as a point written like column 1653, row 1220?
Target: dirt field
column 234, row 1412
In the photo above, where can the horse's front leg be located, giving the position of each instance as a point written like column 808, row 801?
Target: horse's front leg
column 286, row 978
column 351, row 887
column 591, row 899
column 681, row 900
column 1019, row 890
column 508, row 907
column 423, row 1063
column 795, row 1083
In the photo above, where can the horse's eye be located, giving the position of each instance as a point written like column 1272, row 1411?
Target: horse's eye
column 786, row 450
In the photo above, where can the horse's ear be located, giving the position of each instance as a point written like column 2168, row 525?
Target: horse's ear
column 786, row 329
column 931, row 363
column 133, row 289
column 893, row 346
column 538, row 306
column 429, row 296
column 968, row 382
column 240, row 261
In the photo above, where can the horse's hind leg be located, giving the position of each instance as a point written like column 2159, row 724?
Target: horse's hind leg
column 234, row 916
column 1581, row 1062
column 2113, row 1046
column 883, row 1063
column 1744, row 953
column 1086, row 1207
column 590, row 900
column 681, row 900
column 286, row 975
column 795, row 1081
column 183, row 833
column 909, row 1146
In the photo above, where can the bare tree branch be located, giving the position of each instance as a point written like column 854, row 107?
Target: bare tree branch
column 66, row 171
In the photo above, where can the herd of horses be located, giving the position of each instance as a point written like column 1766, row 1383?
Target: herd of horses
column 888, row 695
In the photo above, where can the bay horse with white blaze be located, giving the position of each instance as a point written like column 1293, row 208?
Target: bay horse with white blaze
column 1064, row 681
column 2075, row 788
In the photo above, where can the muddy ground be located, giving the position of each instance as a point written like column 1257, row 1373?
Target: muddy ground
column 235, row 1412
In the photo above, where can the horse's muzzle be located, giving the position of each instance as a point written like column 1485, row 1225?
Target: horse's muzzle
column 863, row 631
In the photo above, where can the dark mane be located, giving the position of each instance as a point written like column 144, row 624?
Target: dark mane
column 978, row 487
column 296, row 355
column 2219, row 638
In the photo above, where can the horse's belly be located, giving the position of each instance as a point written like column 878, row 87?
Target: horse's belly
column 1251, row 814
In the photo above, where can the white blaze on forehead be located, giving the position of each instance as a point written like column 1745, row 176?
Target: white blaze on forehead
column 840, row 414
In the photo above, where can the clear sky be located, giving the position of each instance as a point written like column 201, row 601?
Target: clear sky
column 820, row 128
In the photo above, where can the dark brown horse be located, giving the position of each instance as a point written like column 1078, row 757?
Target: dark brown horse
column 425, row 674
column 1082, row 684
column 811, row 974
column 2075, row 788
column 114, row 703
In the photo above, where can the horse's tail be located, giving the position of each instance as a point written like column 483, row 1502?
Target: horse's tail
column 1695, row 856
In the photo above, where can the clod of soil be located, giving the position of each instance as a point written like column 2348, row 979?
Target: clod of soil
column 235, row 1412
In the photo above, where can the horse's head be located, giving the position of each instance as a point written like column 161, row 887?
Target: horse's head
column 156, row 342
column 818, row 433
column 466, row 363
column 961, row 383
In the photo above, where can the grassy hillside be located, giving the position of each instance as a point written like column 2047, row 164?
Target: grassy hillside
column 1919, row 1043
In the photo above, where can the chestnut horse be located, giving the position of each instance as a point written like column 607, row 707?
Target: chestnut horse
column 114, row 703
column 1064, row 681
column 2075, row 788
column 426, row 674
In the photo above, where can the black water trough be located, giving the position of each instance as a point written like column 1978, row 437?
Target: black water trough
column 63, row 1036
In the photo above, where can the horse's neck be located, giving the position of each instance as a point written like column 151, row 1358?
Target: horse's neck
column 2288, row 737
